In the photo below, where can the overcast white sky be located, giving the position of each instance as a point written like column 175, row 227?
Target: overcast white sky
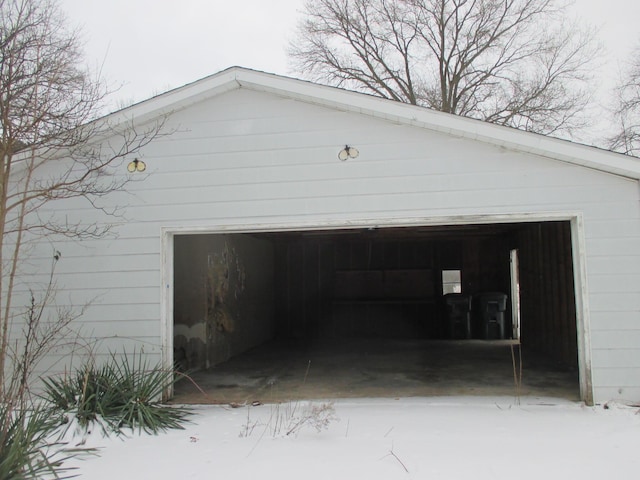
column 150, row 46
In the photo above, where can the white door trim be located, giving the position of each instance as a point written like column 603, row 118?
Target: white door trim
column 577, row 244
column 583, row 329
column 166, row 302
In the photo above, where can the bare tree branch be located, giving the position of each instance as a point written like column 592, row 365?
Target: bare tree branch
column 627, row 108
column 52, row 149
column 480, row 58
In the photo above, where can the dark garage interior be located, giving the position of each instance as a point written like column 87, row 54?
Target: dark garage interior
column 389, row 312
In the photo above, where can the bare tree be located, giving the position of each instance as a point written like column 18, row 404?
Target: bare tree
column 53, row 149
column 627, row 109
column 511, row 62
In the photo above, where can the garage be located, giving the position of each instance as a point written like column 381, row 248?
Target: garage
column 288, row 239
column 480, row 309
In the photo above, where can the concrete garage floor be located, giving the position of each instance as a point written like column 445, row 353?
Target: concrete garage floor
column 278, row 371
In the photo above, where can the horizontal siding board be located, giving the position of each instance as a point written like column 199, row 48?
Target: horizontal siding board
column 105, row 289
column 241, row 126
column 614, row 302
column 117, row 263
column 616, row 377
column 615, row 283
column 113, row 264
column 127, row 344
column 616, row 393
column 419, row 179
column 625, row 320
column 100, row 279
column 280, row 200
column 144, row 247
column 617, row 246
column 125, row 296
column 613, row 228
column 132, row 247
column 98, row 350
column 620, row 210
column 130, row 313
column 454, row 194
column 606, row 339
column 616, row 358
column 124, row 327
column 322, row 162
column 102, row 295
column 271, row 167
column 614, row 264
column 369, row 206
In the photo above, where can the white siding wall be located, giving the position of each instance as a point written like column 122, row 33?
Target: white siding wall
column 248, row 158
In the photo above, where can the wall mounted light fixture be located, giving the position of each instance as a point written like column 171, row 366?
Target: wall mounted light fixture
column 348, row 152
column 136, row 166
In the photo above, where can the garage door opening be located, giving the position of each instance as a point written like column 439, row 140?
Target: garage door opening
column 394, row 311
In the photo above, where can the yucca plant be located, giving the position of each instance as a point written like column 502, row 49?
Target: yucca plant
column 84, row 393
column 28, row 449
column 139, row 389
column 124, row 393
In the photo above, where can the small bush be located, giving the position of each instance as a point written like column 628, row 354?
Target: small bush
column 27, row 448
column 123, row 393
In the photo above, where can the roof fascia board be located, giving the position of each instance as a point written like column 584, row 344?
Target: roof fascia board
column 177, row 99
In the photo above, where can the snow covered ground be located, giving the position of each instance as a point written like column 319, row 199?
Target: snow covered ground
column 411, row 438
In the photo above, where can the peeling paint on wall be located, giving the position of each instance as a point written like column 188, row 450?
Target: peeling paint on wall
column 188, row 344
column 189, row 332
column 223, row 301
column 225, row 280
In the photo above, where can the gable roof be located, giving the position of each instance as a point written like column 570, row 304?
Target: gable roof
column 397, row 112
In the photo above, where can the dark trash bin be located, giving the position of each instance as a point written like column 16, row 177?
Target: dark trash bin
column 458, row 315
column 491, row 308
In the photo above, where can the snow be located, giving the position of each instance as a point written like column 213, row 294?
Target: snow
column 410, row 438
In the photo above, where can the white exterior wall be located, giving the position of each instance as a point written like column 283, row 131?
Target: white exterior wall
column 247, row 159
